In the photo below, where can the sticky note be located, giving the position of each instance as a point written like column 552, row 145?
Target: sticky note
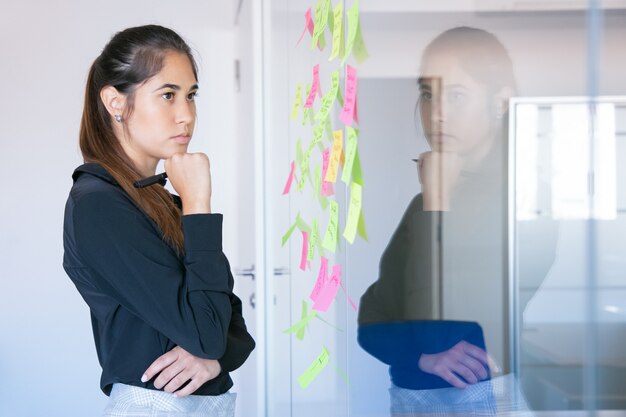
column 321, row 20
column 347, row 113
column 357, row 175
column 313, row 238
column 318, row 188
column 300, row 327
column 314, row 369
column 351, row 148
column 296, row 102
column 353, row 28
column 335, row 156
column 322, row 278
column 306, row 111
column 329, row 291
column 290, row 178
column 308, row 24
column 361, row 226
column 338, row 43
column 327, row 187
column 305, row 250
column 302, row 225
column 354, row 212
column 287, row 235
column 314, row 86
column 359, row 50
column 329, row 99
column 332, row 230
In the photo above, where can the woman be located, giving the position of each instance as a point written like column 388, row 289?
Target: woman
column 148, row 263
column 437, row 314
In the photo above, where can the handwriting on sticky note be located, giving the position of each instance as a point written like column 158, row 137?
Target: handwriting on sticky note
column 327, row 187
column 314, row 369
column 335, row 157
column 349, row 103
column 353, row 27
column 329, row 291
column 322, row 278
column 337, row 32
column 314, row 87
column 296, row 102
column 354, row 212
column 331, row 236
column 351, row 147
column 313, row 239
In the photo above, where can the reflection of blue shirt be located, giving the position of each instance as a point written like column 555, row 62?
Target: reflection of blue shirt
column 400, row 345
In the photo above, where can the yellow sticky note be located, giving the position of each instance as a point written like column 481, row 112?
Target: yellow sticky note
column 331, row 237
column 314, row 369
column 337, row 32
column 351, row 148
column 354, row 212
column 296, row 102
column 353, row 26
column 335, row 156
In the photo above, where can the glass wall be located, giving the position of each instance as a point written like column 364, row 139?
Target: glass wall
column 445, row 207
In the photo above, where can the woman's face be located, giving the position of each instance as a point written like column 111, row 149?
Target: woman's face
column 164, row 113
column 456, row 111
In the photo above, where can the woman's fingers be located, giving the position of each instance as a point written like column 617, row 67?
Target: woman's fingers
column 160, row 363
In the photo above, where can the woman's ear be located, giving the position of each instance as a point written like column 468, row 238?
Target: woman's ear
column 501, row 101
column 114, row 101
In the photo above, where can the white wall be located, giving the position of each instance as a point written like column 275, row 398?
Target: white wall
column 48, row 361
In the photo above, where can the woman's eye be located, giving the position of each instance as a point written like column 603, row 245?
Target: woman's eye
column 168, row 96
column 192, row 96
column 457, row 97
column 426, row 95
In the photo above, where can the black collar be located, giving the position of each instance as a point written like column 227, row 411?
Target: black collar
column 97, row 170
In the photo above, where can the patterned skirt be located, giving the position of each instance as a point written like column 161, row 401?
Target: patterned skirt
column 127, row 401
column 500, row 396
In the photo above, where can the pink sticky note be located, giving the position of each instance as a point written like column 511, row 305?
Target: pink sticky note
column 305, row 250
column 356, row 109
column 349, row 103
column 322, row 277
column 308, row 25
column 314, row 86
column 329, row 291
column 290, row 179
column 327, row 187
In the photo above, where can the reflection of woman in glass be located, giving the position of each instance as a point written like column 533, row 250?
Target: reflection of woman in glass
column 439, row 301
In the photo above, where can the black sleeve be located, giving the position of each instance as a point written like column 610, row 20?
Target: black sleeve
column 239, row 343
column 405, row 282
column 190, row 303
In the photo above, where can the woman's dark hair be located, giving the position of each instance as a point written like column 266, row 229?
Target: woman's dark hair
column 131, row 57
column 479, row 53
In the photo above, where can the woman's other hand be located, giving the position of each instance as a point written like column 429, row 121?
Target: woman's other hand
column 464, row 359
column 438, row 172
column 190, row 175
column 178, row 366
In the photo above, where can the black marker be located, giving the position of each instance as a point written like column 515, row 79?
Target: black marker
column 146, row 182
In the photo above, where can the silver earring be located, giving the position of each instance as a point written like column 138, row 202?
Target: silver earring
column 118, row 118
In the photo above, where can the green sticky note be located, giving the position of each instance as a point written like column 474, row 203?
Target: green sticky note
column 337, row 32
column 312, row 241
column 354, row 212
column 321, row 19
column 306, row 112
column 330, row 21
column 332, row 230
column 357, row 175
column 314, row 369
column 296, row 102
column 302, row 225
column 300, row 327
column 344, row 376
column 318, row 241
column 351, row 148
column 329, row 131
column 361, row 226
column 290, row 231
column 359, row 50
column 353, row 26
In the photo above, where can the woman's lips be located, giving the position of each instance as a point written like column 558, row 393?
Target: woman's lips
column 182, row 139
